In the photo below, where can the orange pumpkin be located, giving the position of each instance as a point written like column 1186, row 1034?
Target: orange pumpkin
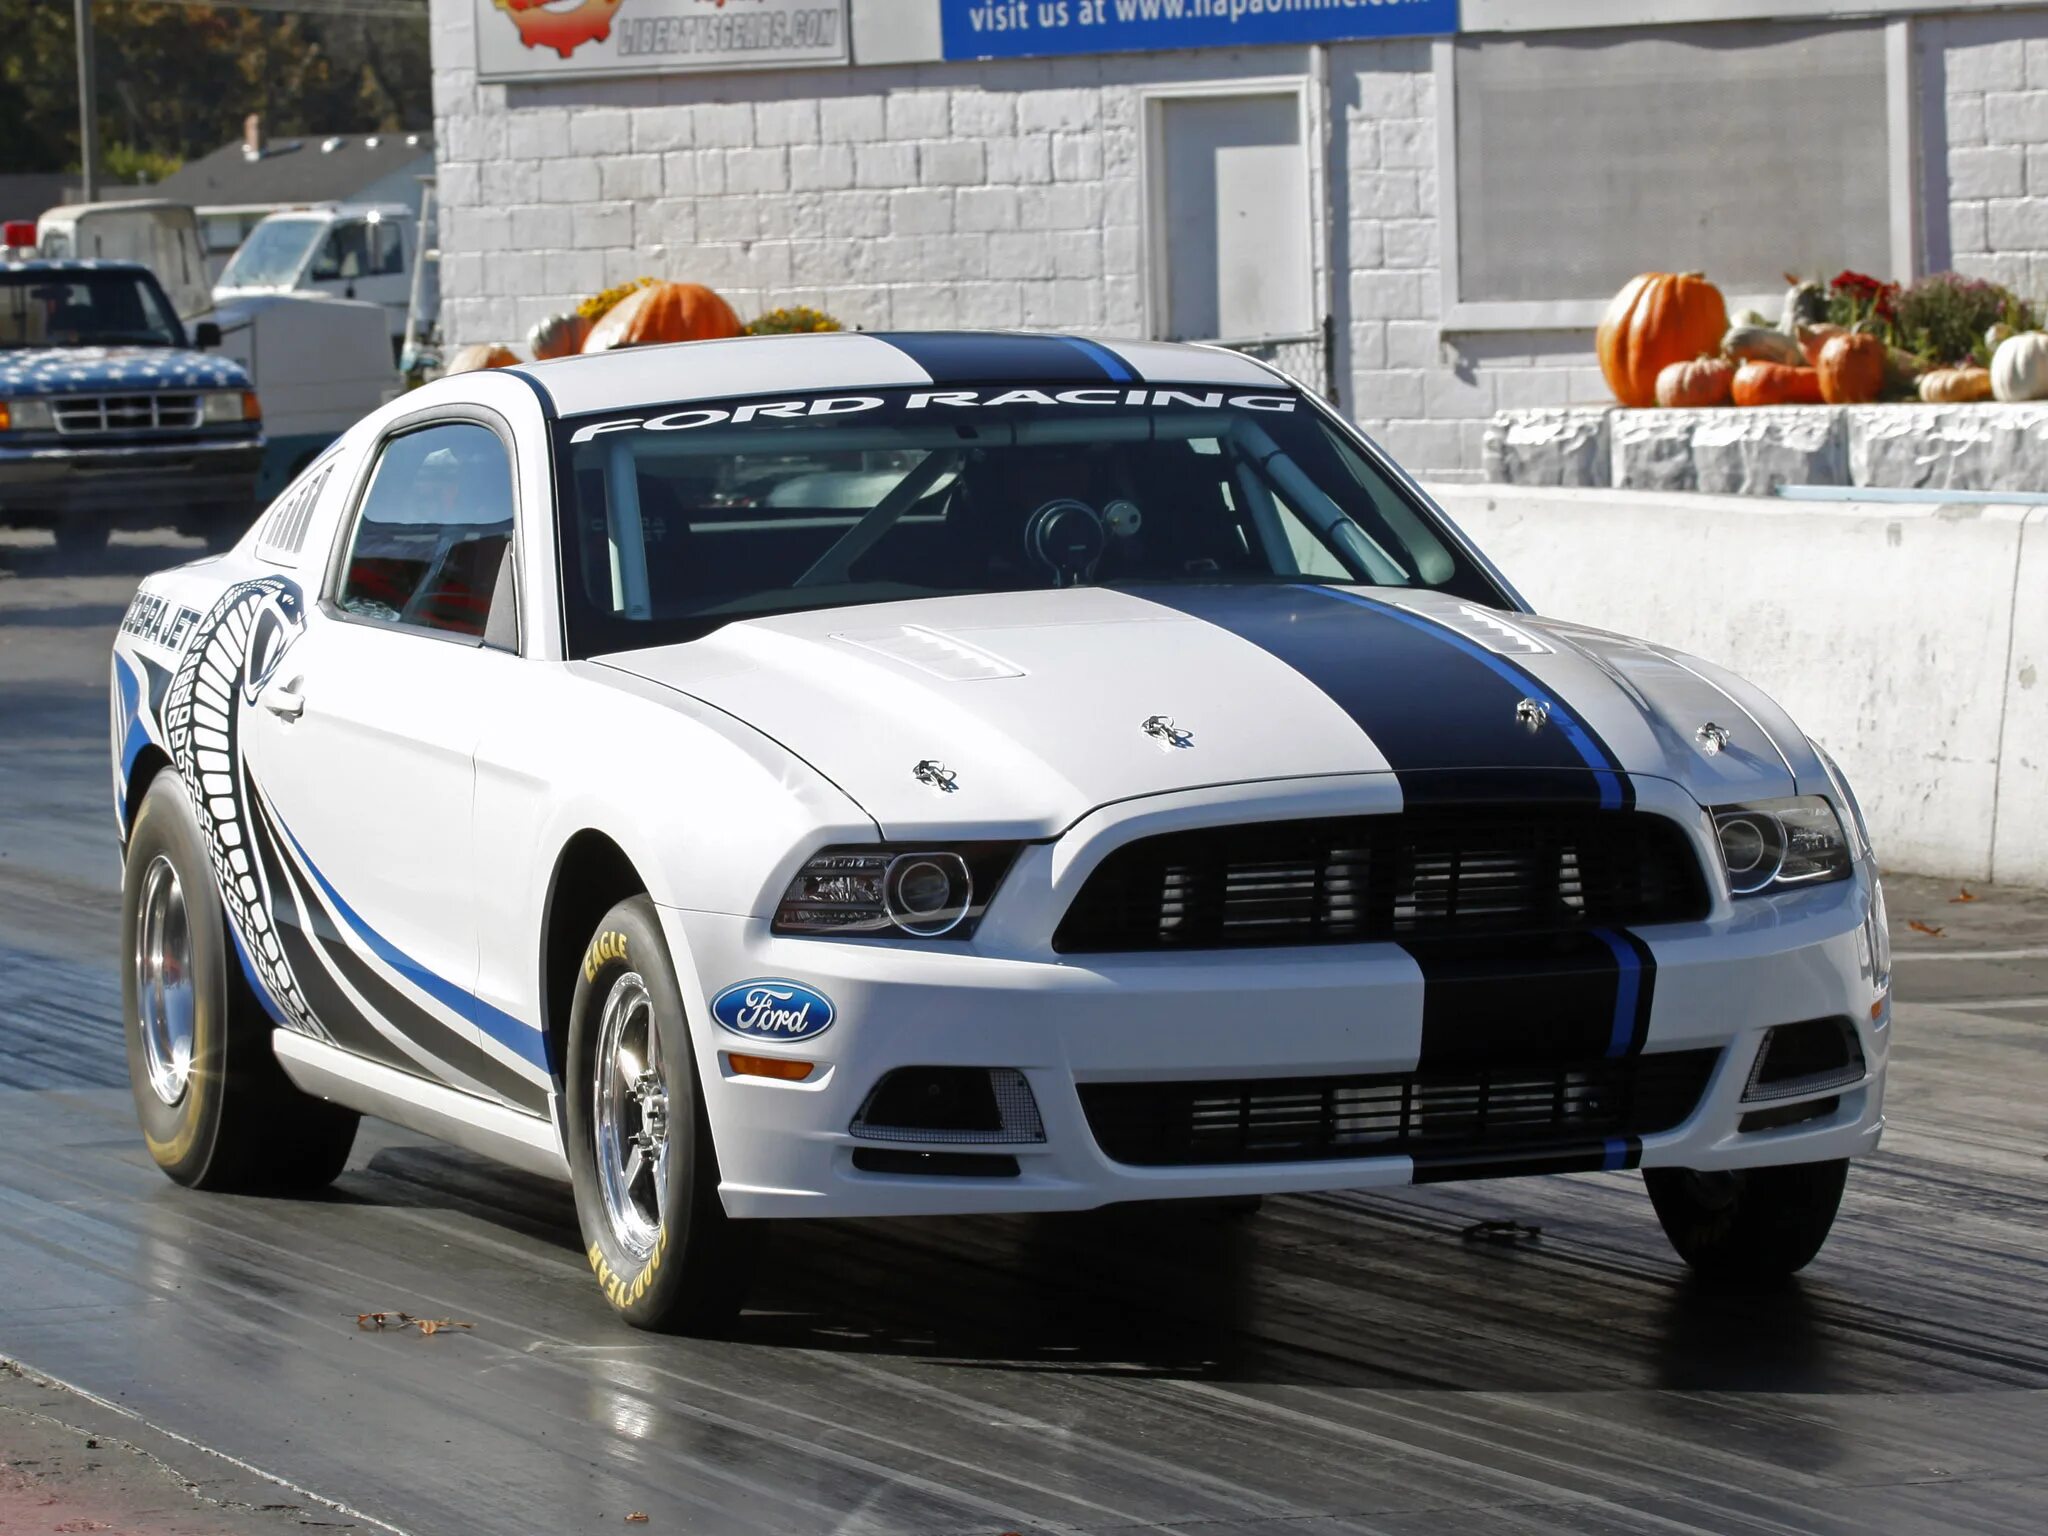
column 482, row 354
column 1813, row 337
column 1776, row 384
column 1656, row 320
column 1705, row 381
column 1852, row 369
column 663, row 312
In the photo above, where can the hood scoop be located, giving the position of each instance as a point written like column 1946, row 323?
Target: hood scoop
column 931, row 652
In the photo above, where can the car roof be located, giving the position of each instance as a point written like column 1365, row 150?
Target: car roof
column 633, row 377
column 69, row 264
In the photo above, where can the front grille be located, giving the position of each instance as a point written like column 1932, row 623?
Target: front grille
column 1505, row 1113
column 1416, row 874
column 125, row 413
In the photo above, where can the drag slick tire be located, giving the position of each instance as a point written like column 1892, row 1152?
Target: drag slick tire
column 640, row 1153
column 1751, row 1226
column 217, row 1111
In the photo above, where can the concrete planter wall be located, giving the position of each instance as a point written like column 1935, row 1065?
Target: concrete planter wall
column 1991, row 448
column 1910, row 640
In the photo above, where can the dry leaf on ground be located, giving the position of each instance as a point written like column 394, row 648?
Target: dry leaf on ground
column 1927, row 928
column 1963, row 893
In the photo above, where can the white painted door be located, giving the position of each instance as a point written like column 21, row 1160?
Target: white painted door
column 1233, row 242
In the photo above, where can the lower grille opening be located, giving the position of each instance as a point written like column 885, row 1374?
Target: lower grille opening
column 954, row 1165
column 1806, row 1057
column 1782, row 1115
column 1507, row 1112
column 950, row 1104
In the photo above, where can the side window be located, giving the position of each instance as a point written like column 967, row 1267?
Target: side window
column 343, row 255
column 387, row 250
column 432, row 543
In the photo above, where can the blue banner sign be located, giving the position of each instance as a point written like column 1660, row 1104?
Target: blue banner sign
column 1015, row 29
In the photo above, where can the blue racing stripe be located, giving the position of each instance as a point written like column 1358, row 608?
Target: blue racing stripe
column 1620, row 1154
column 974, row 357
column 463, row 1002
column 1628, row 990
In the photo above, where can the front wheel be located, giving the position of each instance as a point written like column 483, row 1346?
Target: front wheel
column 640, row 1152
column 1750, row 1226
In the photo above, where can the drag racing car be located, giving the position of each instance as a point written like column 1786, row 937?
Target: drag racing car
column 919, row 774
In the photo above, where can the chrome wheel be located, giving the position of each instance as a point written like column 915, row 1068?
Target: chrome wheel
column 629, row 1116
column 164, row 995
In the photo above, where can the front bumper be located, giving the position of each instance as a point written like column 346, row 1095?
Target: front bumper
column 786, row 1149
column 136, row 484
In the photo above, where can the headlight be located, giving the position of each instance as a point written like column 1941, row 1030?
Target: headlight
column 927, row 893
column 1839, row 782
column 1772, row 844
column 218, row 406
column 25, row 416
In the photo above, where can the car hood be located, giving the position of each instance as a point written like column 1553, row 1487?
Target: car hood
column 1038, row 707
column 43, row 371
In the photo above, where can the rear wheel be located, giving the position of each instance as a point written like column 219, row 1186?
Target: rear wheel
column 1749, row 1226
column 217, row 1111
column 640, row 1151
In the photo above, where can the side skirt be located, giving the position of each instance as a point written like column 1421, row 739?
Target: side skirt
column 527, row 1142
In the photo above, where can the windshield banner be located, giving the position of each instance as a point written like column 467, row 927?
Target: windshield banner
column 524, row 39
column 1010, row 29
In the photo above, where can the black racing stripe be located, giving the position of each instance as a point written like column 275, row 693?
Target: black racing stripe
column 438, row 1039
column 337, row 1015
column 970, row 357
column 1529, row 1002
column 1616, row 1153
column 1437, row 706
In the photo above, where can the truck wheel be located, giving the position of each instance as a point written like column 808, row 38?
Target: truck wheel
column 80, row 538
column 223, row 527
column 217, row 1111
column 640, row 1153
column 1751, row 1226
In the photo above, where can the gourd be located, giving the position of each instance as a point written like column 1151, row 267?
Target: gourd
column 1805, row 302
column 1776, row 384
column 1657, row 319
column 1964, row 385
column 1851, row 369
column 663, row 312
column 559, row 336
column 1705, row 381
column 482, row 354
column 1762, row 344
column 1902, row 370
column 2019, row 368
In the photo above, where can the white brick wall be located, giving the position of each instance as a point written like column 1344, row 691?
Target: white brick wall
column 1008, row 194
column 1987, row 149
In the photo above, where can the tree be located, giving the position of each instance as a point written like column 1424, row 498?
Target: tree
column 176, row 80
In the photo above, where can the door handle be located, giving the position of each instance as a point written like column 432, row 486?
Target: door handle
column 285, row 703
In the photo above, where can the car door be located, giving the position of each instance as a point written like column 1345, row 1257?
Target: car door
column 361, row 749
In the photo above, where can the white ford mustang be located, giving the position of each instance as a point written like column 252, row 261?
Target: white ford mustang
column 870, row 775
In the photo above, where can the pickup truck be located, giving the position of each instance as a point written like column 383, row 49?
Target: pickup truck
column 110, row 417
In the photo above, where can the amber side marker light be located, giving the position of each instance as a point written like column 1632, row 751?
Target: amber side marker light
column 252, row 408
column 769, row 1066
column 6, row 416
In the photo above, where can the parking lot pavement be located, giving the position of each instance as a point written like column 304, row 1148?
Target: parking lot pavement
column 1338, row 1363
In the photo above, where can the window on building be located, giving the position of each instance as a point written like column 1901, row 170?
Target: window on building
column 1744, row 150
column 432, row 544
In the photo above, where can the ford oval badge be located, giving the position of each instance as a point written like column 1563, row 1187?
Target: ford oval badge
column 772, row 1009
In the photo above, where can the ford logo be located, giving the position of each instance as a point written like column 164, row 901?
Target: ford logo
column 773, row 1009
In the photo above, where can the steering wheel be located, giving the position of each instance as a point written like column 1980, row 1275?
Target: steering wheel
column 1067, row 537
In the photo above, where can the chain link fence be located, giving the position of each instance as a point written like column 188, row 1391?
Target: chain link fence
column 1310, row 358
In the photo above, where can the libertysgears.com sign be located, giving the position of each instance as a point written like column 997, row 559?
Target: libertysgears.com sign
column 526, row 39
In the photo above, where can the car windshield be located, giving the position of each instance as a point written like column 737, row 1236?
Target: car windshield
column 85, row 309
column 676, row 521
column 273, row 254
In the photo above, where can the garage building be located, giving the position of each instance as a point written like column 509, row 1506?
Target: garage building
column 1419, row 205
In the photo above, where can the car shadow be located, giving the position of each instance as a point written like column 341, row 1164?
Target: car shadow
column 1185, row 1292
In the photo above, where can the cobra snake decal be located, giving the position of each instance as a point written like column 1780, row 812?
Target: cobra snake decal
column 235, row 651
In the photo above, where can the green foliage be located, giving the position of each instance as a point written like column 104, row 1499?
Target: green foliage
column 795, row 318
column 138, row 167
column 175, row 81
column 1944, row 317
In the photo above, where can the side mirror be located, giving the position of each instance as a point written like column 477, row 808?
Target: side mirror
column 206, row 335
